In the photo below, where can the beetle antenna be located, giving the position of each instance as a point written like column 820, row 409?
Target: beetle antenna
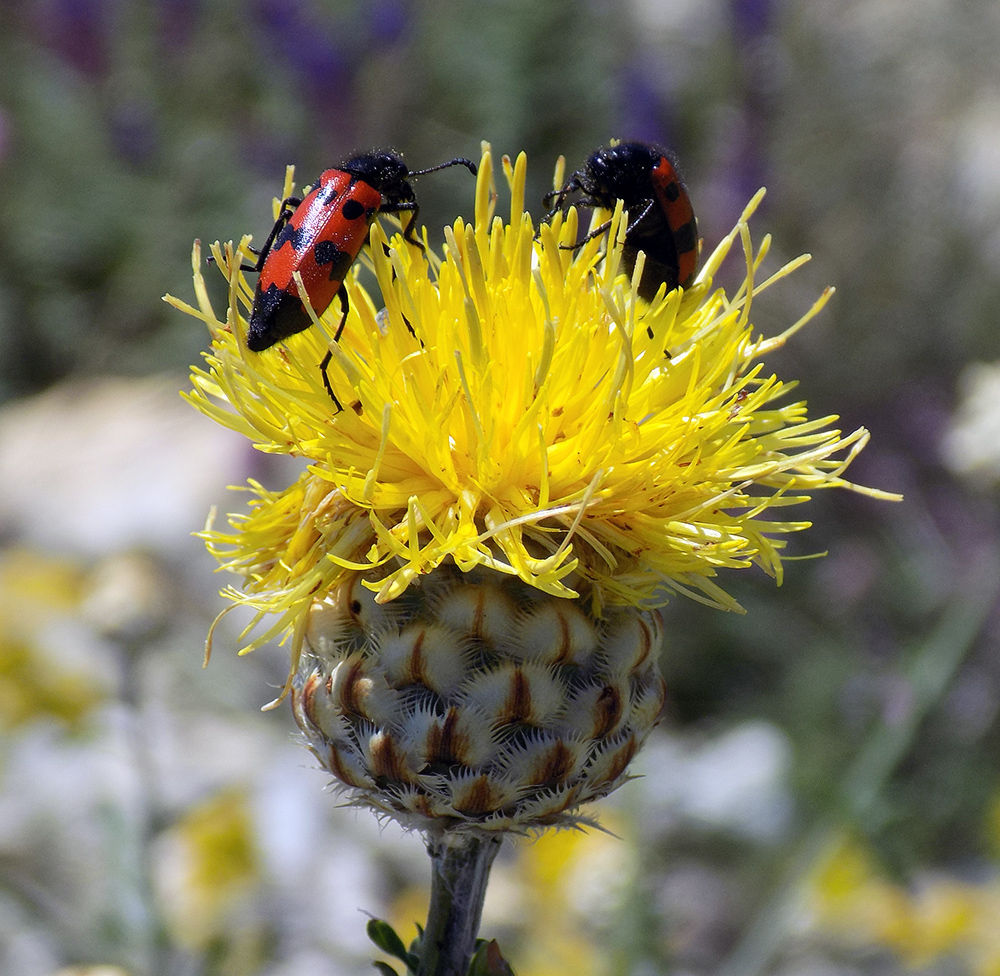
column 458, row 161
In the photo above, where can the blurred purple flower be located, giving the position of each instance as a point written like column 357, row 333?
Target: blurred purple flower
column 134, row 133
column 323, row 64
column 644, row 114
column 77, row 30
column 389, row 20
column 177, row 22
column 751, row 18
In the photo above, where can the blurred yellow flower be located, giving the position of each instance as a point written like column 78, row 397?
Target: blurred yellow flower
column 937, row 917
column 35, row 591
column 561, row 875
column 209, row 867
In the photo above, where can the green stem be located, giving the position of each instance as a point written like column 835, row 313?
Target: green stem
column 460, row 870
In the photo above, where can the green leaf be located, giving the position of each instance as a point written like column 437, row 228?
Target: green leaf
column 384, row 936
column 416, row 949
column 488, row 960
column 385, row 969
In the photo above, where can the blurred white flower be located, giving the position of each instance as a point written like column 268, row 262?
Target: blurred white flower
column 736, row 781
column 971, row 446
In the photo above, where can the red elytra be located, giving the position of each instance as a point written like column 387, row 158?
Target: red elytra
column 320, row 240
column 320, row 236
column 673, row 200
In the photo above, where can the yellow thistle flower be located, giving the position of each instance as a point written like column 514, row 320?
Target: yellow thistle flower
column 529, row 461
column 514, row 406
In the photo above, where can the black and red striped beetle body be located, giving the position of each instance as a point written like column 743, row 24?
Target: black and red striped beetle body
column 320, row 237
column 662, row 223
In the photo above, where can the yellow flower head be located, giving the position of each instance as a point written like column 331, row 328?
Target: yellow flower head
column 515, row 406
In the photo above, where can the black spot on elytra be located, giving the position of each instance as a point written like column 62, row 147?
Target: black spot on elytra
column 288, row 235
column 673, row 191
column 327, row 252
column 327, row 192
column 686, row 237
column 352, row 210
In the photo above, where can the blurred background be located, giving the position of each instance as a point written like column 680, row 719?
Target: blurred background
column 822, row 797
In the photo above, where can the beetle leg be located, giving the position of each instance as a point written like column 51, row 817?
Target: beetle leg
column 406, row 206
column 288, row 206
column 326, row 380
column 323, row 366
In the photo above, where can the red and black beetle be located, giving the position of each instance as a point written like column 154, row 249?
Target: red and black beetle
column 661, row 220
column 320, row 236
